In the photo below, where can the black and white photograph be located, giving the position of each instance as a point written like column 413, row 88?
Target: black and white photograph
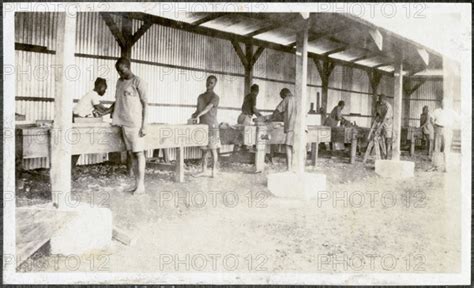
column 237, row 143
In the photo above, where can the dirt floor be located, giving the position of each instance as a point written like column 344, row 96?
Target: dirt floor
column 363, row 223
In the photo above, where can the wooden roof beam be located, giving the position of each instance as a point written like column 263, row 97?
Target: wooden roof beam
column 334, row 51
column 208, row 18
column 361, row 58
column 229, row 36
column 262, row 30
column 116, row 31
column 141, row 31
column 381, row 65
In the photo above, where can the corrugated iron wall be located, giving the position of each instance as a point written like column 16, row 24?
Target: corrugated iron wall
column 429, row 94
column 175, row 65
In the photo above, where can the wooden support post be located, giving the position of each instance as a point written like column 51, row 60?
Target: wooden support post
column 260, row 146
column 299, row 142
column 397, row 110
column 374, row 78
column 325, row 68
column 314, row 153
column 60, row 153
column 126, row 49
column 179, row 177
column 412, row 141
column 248, row 60
column 353, row 146
column 248, row 68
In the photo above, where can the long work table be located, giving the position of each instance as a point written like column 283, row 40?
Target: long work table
column 88, row 138
column 270, row 133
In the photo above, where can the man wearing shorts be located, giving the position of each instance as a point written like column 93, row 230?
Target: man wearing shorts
column 287, row 107
column 206, row 111
column 130, row 110
column 386, row 113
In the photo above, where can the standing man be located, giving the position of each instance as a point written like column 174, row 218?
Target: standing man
column 287, row 107
column 130, row 112
column 426, row 125
column 386, row 114
column 335, row 116
column 249, row 107
column 206, row 111
column 443, row 119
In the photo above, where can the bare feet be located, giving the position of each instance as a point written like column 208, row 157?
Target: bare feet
column 215, row 173
column 140, row 190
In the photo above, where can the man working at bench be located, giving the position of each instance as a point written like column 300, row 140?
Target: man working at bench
column 384, row 109
column 130, row 110
column 336, row 115
column 89, row 105
column 287, row 107
column 206, row 111
column 249, row 107
column 426, row 124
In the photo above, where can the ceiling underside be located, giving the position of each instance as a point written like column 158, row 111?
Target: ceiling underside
column 334, row 36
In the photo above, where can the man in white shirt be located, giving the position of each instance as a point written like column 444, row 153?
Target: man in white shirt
column 89, row 105
column 444, row 119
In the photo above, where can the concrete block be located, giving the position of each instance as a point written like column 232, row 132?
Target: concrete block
column 292, row 185
column 395, row 168
column 90, row 230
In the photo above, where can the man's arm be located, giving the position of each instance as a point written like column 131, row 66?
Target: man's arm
column 100, row 107
column 254, row 107
column 203, row 112
column 144, row 101
column 280, row 109
column 213, row 103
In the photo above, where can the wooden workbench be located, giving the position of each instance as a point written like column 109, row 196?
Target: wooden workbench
column 89, row 138
column 349, row 135
column 268, row 134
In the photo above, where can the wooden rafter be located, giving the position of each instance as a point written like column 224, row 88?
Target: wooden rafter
column 262, row 30
column 361, row 58
column 337, row 50
column 207, row 18
column 116, row 31
column 141, row 31
column 381, row 65
column 409, row 87
column 257, row 55
column 230, row 36
column 240, row 53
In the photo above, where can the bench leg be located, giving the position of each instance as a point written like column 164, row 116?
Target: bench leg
column 260, row 159
column 353, row 150
column 179, row 176
column 314, row 153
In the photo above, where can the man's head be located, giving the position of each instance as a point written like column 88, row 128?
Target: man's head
column 211, row 82
column 285, row 92
column 425, row 109
column 443, row 104
column 123, row 68
column 341, row 104
column 254, row 89
column 100, row 86
column 382, row 98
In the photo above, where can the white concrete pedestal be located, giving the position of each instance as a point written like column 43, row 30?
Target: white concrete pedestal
column 395, row 168
column 90, row 230
column 292, row 185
